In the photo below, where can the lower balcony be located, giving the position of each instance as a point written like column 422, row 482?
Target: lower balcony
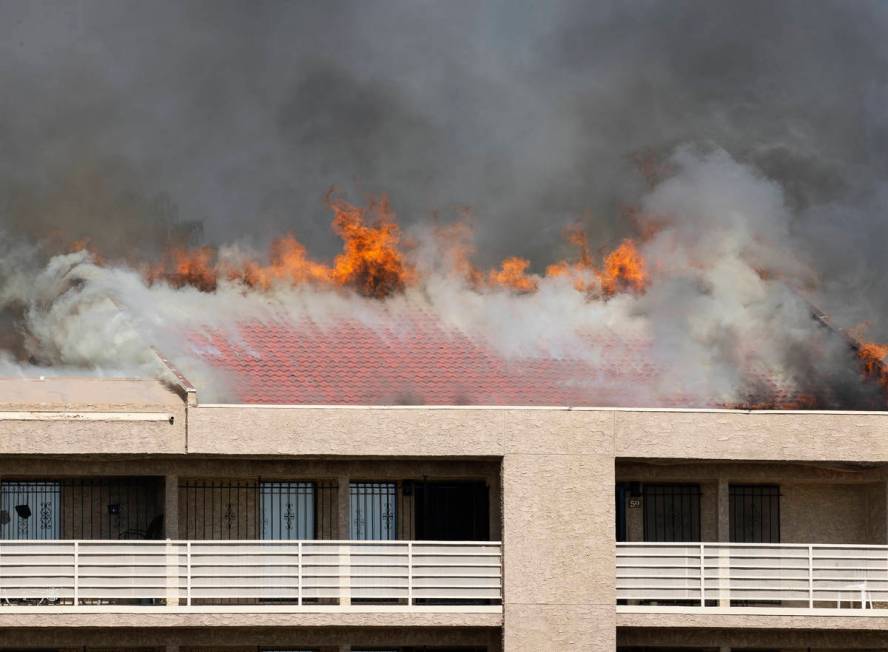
column 252, row 576
column 745, row 578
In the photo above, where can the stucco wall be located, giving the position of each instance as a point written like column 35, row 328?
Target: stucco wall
column 766, row 436
column 825, row 514
column 559, row 538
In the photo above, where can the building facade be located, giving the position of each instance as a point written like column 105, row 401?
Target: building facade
column 134, row 517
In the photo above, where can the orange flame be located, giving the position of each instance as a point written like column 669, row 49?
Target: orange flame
column 874, row 364
column 192, row 267
column 513, row 274
column 372, row 261
column 624, row 269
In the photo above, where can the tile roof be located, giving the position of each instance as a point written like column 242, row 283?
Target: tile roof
column 419, row 360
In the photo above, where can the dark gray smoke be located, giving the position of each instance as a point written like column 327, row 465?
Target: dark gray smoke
column 139, row 124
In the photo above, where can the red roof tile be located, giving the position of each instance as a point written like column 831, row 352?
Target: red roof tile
column 420, row 360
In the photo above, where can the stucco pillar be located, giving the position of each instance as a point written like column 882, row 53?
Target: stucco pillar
column 558, row 540
column 171, row 507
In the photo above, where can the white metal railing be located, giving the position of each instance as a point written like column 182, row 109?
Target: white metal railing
column 302, row 574
column 737, row 575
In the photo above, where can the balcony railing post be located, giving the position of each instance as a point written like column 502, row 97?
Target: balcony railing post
column 702, row 575
column 345, row 575
column 76, row 573
column 409, row 573
column 299, row 574
column 188, row 573
column 811, row 576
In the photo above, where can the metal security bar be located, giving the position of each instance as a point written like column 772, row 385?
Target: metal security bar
column 202, row 574
column 223, row 510
column 743, row 576
column 755, row 513
column 82, row 508
column 373, row 511
column 671, row 512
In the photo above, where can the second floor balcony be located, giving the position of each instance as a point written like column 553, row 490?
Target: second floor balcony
column 744, row 577
column 246, row 575
column 303, row 543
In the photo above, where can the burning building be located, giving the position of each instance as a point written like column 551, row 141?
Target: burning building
column 660, row 443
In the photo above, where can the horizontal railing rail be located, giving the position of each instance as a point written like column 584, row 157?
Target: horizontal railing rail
column 743, row 575
column 302, row 574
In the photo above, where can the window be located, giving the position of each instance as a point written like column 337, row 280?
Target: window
column 671, row 512
column 30, row 510
column 372, row 511
column 288, row 510
column 257, row 509
column 755, row 513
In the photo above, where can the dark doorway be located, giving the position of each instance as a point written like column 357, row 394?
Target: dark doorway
column 755, row 513
column 671, row 512
column 451, row 511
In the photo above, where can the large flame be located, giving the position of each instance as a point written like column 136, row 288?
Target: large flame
column 374, row 264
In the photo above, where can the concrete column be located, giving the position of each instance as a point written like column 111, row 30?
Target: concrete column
column 559, row 552
column 344, row 499
column 171, row 507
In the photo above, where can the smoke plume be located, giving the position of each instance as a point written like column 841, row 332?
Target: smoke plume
column 129, row 129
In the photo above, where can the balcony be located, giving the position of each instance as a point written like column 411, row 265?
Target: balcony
column 748, row 578
column 261, row 576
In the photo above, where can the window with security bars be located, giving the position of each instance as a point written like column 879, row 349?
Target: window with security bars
column 257, row 509
column 671, row 512
column 373, row 511
column 755, row 513
column 82, row 508
column 288, row 510
column 30, row 510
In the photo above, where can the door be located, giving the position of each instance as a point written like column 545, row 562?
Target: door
column 671, row 512
column 373, row 511
column 288, row 510
column 755, row 513
column 451, row 511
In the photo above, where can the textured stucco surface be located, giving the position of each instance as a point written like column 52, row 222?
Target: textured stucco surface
column 558, row 532
column 86, row 394
column 345, row 431
column 730, row 435
column 98, row 422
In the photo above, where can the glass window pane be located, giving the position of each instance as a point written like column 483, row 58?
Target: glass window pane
column 288, row 510
column 372, row 511
column 29, row 510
